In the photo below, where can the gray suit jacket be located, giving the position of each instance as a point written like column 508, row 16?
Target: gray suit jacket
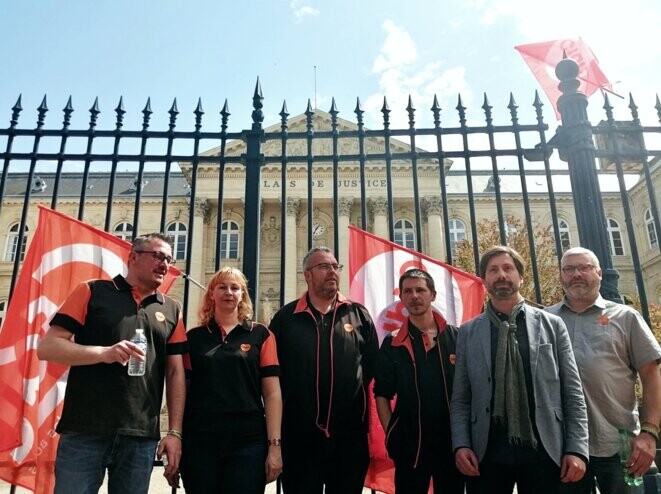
column 560, row 413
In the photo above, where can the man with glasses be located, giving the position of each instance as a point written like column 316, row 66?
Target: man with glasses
column 327, row 347
column 613, row 346
column 110, row 420
column 517, row 412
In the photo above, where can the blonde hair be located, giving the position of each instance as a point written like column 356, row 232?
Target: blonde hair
column 208, row 307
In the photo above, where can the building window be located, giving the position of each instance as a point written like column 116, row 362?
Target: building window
column 229, row 240
column 13, row 242
column 565, row 239
column 177, row 234
column 124, row 231
column 3, row 310
column 652, row 237
column 615, row 238
column 405, row 234
column 457, row 234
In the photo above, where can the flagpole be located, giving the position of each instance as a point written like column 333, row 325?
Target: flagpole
column 192, row 280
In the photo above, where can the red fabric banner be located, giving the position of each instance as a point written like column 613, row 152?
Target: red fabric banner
column 375, row 266
column 542, row 59
column 63, row 253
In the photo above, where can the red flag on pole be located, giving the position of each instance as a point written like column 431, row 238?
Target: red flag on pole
column 375, row 266
column 63, row 253
column 542, row 59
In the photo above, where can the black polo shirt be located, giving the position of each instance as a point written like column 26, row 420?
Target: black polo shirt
column 102, row 398
column 225, row 380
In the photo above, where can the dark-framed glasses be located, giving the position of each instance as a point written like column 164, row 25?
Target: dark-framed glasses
column 583, row 269
column 158, row 256
column 326, row 266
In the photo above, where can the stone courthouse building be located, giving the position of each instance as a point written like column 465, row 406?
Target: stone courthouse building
column 202, row 246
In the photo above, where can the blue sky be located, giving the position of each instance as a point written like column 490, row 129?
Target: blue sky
column 361, row 48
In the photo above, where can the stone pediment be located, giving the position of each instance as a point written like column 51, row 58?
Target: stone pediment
column 322, row 143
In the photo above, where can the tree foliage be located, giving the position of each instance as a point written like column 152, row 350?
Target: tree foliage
column 517, row 237
column 655, row 317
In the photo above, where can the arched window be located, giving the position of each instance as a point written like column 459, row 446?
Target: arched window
column 405, row 234
column 565, row 239
column 229, row 240
column 177, row 233
column 457, row 233
column 124, row 231
column 615, row 238
column 14, row 240
column 652, row 237
column 3, row 310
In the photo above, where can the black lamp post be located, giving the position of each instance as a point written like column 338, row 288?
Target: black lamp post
column 576, row 147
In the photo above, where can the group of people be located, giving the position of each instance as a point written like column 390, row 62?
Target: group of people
column 518, row 395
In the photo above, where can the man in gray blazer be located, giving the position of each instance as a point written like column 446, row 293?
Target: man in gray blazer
column 517, row 413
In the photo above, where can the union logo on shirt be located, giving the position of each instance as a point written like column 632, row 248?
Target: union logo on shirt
column 603, row 320
column 245, row 347
column 348, row 327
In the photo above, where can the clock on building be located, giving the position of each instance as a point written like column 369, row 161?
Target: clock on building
column 318, row 229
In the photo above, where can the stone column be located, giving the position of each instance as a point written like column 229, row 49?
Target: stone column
column 379, row 210
column 197, row 259
column 432, row 208
column 346, row 206
column 292, row 257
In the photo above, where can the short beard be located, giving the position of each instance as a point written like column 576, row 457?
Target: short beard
column 502, row 293
column 328, row 293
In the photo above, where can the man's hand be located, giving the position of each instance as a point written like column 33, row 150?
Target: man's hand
column 643, row 450
column 572, row 469
column 273, row 464
column 466, row 462
column 171, row 447
column 121, row 352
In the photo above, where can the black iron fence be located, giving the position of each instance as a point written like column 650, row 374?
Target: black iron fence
column 461, row 162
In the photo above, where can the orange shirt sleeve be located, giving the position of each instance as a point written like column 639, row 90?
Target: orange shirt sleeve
column 269, row 354
column 75, row 306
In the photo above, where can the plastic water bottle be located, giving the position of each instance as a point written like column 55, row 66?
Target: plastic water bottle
column 625, row 452
column 137, row 367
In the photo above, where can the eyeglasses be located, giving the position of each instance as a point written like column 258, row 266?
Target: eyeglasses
column 583, row 269
column 325, row 266
column 158, row 256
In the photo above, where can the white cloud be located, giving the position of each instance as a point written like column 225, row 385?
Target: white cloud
column 401, row 74
column 301, row 10
column 398, row 49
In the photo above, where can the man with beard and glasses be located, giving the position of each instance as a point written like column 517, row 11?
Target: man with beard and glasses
column 613, row 346
column 327, row 348
column 111, row 420
column 416, row 364
column 517, row 412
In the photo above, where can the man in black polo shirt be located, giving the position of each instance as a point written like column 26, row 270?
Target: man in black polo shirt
column 327, row 347
column 416, row 364
column 110, row 420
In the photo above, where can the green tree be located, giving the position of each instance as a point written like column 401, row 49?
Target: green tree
column 517, row 237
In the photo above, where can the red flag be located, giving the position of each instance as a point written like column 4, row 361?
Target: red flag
column 375, row 266
column 63, row 253
column 542, row 59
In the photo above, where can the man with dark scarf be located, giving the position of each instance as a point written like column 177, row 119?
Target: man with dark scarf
column 517, row 413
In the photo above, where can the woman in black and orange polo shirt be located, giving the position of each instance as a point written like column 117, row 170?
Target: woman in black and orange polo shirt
column 231, row 433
